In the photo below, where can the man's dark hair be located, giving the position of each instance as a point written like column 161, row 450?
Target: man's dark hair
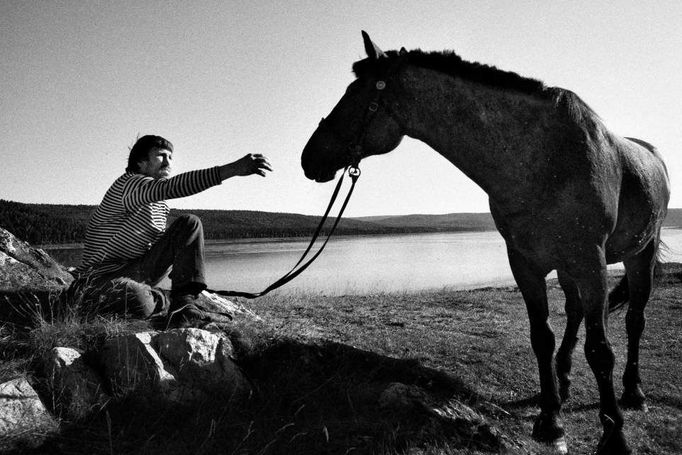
column 140, row 151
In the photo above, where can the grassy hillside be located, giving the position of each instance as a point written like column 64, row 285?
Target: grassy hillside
column 320, row 365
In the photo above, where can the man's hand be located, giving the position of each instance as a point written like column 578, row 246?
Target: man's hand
column 250, row 164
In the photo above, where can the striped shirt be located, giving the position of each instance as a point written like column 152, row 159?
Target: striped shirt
column 132, row 216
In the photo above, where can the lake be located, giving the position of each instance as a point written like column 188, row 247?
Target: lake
column 368, row 264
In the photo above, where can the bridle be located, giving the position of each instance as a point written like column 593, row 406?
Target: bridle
column 354, row 155
column 354, row 146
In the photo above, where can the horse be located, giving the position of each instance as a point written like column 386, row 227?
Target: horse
column 565, row 193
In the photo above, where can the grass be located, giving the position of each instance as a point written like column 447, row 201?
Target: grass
column 320, row 364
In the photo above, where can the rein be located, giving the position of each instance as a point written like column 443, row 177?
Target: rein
column 354, row 150
column 354, row 174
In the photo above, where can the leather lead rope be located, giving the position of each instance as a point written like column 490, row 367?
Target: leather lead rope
column 354, row 173
column 355, row 149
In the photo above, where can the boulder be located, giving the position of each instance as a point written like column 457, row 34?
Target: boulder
column 180, row 365
column 450, row 417
column 203, row 362
column 24, row 420
column 31, row 282
column 130, row 364
column 25, row 267
column 403, row 397
column 76, row 390
column 218, row 304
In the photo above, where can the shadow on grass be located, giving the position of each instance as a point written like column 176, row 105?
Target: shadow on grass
column 309, row 398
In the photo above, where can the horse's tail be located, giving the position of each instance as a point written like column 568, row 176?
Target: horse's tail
column 620, row 294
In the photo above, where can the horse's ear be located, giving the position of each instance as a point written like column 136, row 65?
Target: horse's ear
column 403, row 51
column 372, row 49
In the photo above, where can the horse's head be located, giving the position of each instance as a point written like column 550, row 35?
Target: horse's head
column 360, row 124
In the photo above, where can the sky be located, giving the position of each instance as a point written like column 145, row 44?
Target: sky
column 219, row 79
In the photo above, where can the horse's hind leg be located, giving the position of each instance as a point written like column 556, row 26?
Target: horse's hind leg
column 640, row 272
column 574, row 316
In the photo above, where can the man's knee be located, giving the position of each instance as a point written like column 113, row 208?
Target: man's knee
column 190, row 222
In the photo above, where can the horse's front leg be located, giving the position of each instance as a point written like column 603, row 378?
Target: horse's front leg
column 531, row 281
column 589, row 275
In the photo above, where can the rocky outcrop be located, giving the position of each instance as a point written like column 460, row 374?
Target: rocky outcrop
column 202, row 362
column 24, row 419
column 31, row 282
column 74, row 387
column 130, row 364
column 23, row 267
column 180, row 365
column 451, row 416
column 222, row 306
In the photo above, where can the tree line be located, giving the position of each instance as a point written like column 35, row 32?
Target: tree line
column 41, row 224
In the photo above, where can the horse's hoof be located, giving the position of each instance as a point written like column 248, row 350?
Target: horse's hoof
column 548, row 428
column 556, row 447
column 613, row 441
column 559, row 446
column 614, row 445
column 634, row 400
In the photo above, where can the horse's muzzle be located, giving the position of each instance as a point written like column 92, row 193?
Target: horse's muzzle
column 320, row 157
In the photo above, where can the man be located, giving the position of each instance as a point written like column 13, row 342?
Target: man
column 129, row 249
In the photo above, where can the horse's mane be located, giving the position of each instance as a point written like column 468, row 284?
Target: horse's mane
column 449, row 62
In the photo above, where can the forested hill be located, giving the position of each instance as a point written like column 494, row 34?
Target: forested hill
column 41, row 224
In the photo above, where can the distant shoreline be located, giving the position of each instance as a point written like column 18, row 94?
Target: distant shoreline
column 64, row 226
column 76, row 246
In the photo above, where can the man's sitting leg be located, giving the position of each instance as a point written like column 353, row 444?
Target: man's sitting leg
column 133, row 292
column 182, row 249
column 126, row 297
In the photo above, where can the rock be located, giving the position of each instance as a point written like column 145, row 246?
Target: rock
column 218, row 304
column 75, row 388
column 451, row 417
column 454, row 416
column 23, row 417
column 130, row 364
column 398, row 396
column 25, row 267
column 31, row 282
column 180, row 365
column 456, row 410
column 203, row 362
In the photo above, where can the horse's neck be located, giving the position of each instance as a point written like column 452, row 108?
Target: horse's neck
column 498, row 138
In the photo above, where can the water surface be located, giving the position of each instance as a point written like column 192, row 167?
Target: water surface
column 367, row 264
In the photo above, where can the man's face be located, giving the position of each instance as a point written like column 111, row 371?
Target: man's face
column 158, row 164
